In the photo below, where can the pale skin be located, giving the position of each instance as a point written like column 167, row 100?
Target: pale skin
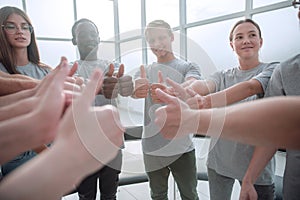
column 27, row 106
column 31, row 179
column 177, row 119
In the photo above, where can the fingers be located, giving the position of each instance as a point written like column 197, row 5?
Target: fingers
column 73, row 69
column 179, row 91
column 111, row 69
column 55, row 74
column 125, row 86
column 110, row 87
column 191, row 92
column 121, row 71
column 160, row 77
column 141, row 86
column 143, row 71
column 91, row 88
column 164, row 97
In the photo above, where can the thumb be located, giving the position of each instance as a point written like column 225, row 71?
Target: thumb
column 191, row 92
column 160, row 77
column 121, row 71
column 164, row 97
column 111, row 70
column 143, row 71
column 73, row 69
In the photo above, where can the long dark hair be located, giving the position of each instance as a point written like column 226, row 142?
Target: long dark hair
column 7, row 56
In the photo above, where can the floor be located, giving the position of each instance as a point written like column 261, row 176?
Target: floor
column 133, row 164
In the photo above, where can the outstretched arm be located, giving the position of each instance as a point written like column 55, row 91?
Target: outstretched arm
column 74, row 149
column 11, row 83
column 271, row 121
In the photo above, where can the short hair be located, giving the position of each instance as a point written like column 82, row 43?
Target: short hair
column 158, row 24
column 82, row 21
column 241, row 22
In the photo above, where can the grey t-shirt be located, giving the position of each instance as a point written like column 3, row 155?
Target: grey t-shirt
column 32, row 70
column 230, row 158
column 285, row 81
column 86, row 68
column 153, row 142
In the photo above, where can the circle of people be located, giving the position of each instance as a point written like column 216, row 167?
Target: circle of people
column 61, row 132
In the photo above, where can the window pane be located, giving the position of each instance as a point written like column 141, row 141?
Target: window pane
column 259, row 3
column 281, row 39
column 130, row 16
column 200, row 10
column 16, row 3
column 51, row 18
column 106, row 51
column 101, row 13
column 163, row 9
column 51, row 52
column 131, row 110
column 131, row 55
column 213, row 39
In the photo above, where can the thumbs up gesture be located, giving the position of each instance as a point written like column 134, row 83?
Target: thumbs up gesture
column 110, row 86
column 159, row 85
column 125, row 82
column 141, row 84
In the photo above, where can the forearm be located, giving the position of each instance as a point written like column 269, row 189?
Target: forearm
column 263, row 122
column 42, row 176
column 16, row 137
column 15, row 97
column 16, row 108
column 13, row 85
column 260, row 158
column 234, row 94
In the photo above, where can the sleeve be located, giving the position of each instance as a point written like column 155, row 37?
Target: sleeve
column 266, row 74
column 275, row 86
column 193, row 70
column 217, row 79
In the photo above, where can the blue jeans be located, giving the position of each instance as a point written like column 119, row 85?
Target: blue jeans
column 16, row 162
column 184, row 171
column 220, row 187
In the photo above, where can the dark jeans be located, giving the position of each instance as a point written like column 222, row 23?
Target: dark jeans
column 220, row 187
column 108, row 182
column 16, row 162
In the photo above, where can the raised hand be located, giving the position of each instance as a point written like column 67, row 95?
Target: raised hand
column 178, row 90
column 125, row 82
column 110, row 88
column 196, row 101
column 174, row 119
column 84, row 127
column 141, row 84
column 159, row 85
